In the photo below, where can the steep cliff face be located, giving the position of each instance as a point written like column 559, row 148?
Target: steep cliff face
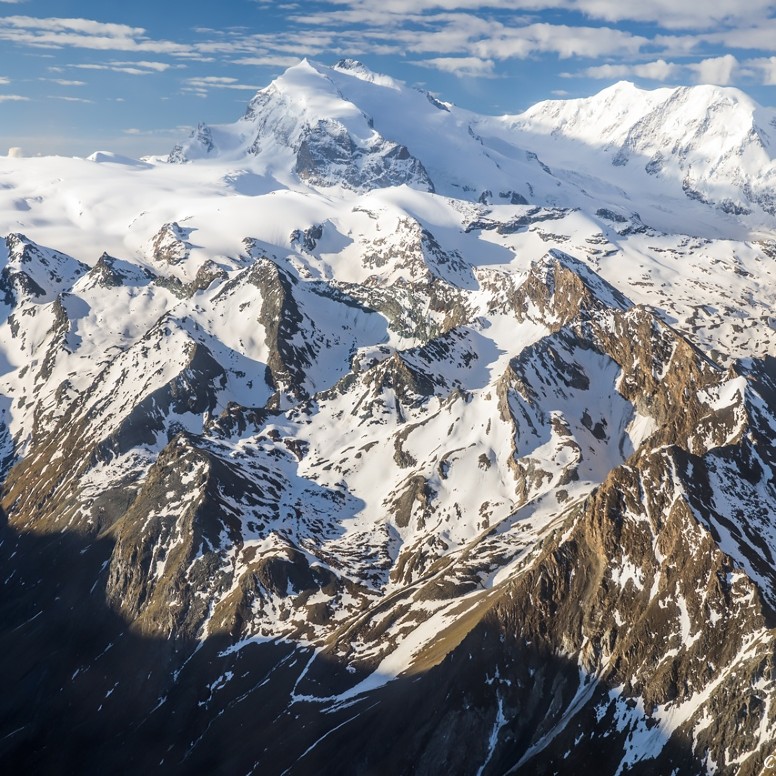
column 333, row 473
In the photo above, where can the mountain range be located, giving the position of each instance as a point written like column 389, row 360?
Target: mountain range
column 368, row 435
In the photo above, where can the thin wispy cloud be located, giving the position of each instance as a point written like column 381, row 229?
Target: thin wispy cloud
column 203, row 84
column 65, row 82
column 85, row 34
column 267, row 61
column 67, row 98
column 665, row 13
column 178, row 131
column 463, row 67
column 130, row 68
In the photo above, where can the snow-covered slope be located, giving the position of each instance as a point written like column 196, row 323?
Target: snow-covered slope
column 715, row 144
column 368, row 434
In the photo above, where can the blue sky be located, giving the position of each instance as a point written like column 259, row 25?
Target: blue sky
column 81, row 75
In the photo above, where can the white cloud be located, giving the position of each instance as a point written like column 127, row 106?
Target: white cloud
column 84, row 26
column 760, row 36
column 677, row 14
column 131, row 68
column 13, row 98
column 765, row 67
column 64, row 82
column 460, row 66
column 720, row 71
column 469, row 35
column 659, row 70
column 559, row 39
column 439, row 30
column 83, row 33
column 267, row 61
column 202, row 84
column 69, row 99
column 178, row 131
column 158, row 67
column 669, row 14
column 716, row 70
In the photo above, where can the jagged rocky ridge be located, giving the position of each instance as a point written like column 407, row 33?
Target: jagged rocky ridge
column 416, row 487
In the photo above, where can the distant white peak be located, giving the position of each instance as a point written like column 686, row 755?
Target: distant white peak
column 700, row 96
column 303, row 93
column 303, row 125
column 302, row 78
column 620, row 89
column 108, row 157
column 359, row 70
column 624, row 114
column 598, row 119
column 198, row 146
column 709, row 94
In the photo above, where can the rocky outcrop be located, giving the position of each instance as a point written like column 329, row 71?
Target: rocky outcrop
column 328, row 156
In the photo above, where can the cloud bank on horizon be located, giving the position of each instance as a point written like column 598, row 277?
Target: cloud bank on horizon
column 125, row 77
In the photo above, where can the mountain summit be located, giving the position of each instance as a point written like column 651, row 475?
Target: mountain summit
column 302, row 120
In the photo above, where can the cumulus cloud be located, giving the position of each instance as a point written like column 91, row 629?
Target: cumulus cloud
column 765, row 67
column 559, row 39
column 715, row 70
column 760, row 36
column 677, row 14
column 659, row 70
column 460, row 66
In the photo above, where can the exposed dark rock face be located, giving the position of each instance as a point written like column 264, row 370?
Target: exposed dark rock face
column 327, row 155
column 170, row 245
column 199, row 144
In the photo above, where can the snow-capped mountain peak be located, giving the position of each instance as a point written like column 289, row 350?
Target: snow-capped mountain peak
column 714, row 142
column 302, row 124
